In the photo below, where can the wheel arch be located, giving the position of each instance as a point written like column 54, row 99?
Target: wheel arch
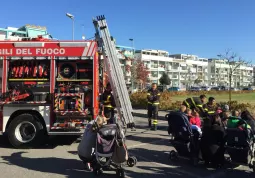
column 35, row 113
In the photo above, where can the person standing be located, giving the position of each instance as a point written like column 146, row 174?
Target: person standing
column 153, row 96
column 108, row 103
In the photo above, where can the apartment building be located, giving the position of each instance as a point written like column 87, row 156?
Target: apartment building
column 219, row 70
column 182, row 69
column 124, row 54
column 31, row 31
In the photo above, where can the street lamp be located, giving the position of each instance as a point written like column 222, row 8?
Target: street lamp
column 71, row 17
column 132, row 82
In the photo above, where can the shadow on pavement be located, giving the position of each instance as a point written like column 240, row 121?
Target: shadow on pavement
column 71, row 168
column 157, row 161
column 51, row 143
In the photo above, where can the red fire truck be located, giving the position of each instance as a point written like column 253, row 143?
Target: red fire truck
column 48, row 88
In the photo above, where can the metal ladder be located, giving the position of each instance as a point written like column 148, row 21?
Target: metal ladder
column 114, row 72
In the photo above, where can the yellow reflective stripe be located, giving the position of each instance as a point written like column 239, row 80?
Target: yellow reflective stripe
column 193, row 102
column 155, row 122
column 206, row 109
column 158, row 94
column 199, row 105
column 152, row 103
column 187, row 104
column 108, row 106
column 148, row 94
column 108, row 98
column 211, row 112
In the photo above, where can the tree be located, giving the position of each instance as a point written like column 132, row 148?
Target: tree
column 139, row 73
column 234, row 61
column 164, row 79
column 198, row 80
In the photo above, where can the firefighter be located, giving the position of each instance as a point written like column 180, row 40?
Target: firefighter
column 108, row 103
column 196, row 103
column 210, row 107
column 153, row 96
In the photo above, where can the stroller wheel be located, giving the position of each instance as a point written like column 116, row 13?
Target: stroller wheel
column 228, row 160
column 135, row 160
column 120, row 173
column 98, row 172
column 131, row 161
column 173, row 155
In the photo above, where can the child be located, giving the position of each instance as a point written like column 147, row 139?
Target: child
column 195, row 121
column 189, row 113
column 183, row 109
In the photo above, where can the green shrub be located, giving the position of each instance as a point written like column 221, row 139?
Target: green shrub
column 139, row 100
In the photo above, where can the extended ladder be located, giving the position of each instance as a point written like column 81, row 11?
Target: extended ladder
column 114, row 71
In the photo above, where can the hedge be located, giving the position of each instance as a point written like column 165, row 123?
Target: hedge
column 139, row 100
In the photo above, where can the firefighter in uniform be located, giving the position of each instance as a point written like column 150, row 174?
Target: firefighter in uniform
column 196, row 103
column 210, row 107
column 153, row 96
column 108, row 103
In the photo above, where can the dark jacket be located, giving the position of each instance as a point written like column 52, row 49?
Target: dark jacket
column 212, row 143
column 108, row 99
column 153, row 97
column 210, row 109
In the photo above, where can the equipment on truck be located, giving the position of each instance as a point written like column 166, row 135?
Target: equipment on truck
column 52, row 87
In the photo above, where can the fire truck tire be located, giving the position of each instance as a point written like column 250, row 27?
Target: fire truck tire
column 25, row 131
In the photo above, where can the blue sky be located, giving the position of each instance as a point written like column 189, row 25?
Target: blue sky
column 202, row 27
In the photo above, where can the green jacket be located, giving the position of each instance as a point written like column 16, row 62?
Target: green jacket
column 234, row 122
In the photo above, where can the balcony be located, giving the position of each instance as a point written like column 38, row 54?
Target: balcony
column 128, row 62
column 154, row 77
column 174, row 77
column 128, row 74
column 193, row 70
column 175, row 69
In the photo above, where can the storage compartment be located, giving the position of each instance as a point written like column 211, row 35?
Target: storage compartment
column 40, row 96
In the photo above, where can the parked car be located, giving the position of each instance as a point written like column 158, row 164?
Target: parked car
column 205, row 88
column 234, row 89
column 195, row 89
column 173, row 89
column 216, row 88
column 248, row 88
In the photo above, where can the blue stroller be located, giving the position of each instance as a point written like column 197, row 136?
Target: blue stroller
column 184, row 139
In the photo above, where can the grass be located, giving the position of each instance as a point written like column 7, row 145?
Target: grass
column 241, row 98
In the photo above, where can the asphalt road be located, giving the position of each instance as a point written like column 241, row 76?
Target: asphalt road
column 59, row 158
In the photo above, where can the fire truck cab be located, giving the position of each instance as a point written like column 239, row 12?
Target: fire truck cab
column 48, row 88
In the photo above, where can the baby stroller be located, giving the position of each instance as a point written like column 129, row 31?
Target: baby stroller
column 241, row 145
column 109, row 137
column 184, row 139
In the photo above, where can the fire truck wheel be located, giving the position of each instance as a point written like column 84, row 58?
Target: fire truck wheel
column 25, row 131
